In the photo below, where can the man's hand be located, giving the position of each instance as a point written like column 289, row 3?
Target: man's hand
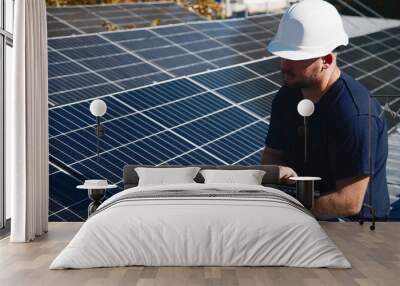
column 285, row 173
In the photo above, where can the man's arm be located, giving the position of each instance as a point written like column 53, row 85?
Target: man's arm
column 272, row 156
column 347, row 200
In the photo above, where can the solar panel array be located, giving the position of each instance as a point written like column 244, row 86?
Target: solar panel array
column 89, row 66
column 216, row 114
column 74, row 20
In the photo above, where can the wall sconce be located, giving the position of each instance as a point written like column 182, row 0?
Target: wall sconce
column 98, row 108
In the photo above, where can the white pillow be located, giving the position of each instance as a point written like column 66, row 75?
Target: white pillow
column 165, row 176
column 248, row 177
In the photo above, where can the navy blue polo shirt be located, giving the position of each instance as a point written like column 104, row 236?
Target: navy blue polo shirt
column 338, row 138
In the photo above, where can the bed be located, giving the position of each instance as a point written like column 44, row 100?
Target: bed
column 197, row 224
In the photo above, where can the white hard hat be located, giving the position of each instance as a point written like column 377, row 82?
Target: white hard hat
column 309, row 29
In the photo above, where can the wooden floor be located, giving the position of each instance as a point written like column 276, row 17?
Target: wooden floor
column 375, row 257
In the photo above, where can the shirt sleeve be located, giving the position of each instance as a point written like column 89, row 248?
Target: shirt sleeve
column 275, row 137
column 353, row 147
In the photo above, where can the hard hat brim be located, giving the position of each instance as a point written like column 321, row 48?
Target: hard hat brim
column 279, row 49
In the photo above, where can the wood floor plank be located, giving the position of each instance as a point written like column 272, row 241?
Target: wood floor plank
column 375, row 257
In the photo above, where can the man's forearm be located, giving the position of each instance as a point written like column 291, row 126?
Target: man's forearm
column 345, row 201
column 329, row 206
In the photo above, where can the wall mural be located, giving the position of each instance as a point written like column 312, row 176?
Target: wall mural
column 189, row 93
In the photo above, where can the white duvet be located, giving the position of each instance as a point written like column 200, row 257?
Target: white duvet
column 191, row 231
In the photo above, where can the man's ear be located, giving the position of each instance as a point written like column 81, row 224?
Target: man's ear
column 327, row 61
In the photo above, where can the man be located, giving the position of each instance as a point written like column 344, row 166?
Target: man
column 340, row 140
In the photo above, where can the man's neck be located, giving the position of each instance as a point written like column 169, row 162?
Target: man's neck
column 316, row 92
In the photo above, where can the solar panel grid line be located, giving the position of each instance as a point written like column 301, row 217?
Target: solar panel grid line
column 224, row 45
column 248, row 156
column 67, row 24
column 170, row 129
column 389, row 83
column 210, row 142
column 232, row 66
column 228, row 100
column 67, row 209
column 372, row 74
column 231, row 133
column 88, row 69
column 367, row 73
column 243, row 34
column 181, row 47
column 377, row 55
column 263, row 76
column 136, row 55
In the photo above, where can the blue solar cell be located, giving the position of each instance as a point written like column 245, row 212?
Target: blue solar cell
column 258, row 54
column 148, row 43
column 266, row 66
column 163, row 52
column 111, row 61
column 203, row 45
column 91, row 169
column 164, row 31
column 187, row 109
column 217, row 53
column 247, row 90
column 224, row 77
column 74, row 81
column 178, row 61
column 214, row 126
column 240, row 144
column 249, row 29
column 260, row 106
column 159, row 94
column 186, row 38
column 64, row 69
column 249, row 46
column 196, row 157
column 276, row 78
column 83, row 93
column 231, row 61
column 91, row 52
column 254, row 159
column 128, row 36
column 118, row 73
column 75, row 42
column 353, row 55
column 221, row 32
column 188, row 70
column 144, row 80
column 55, row 57
column 234, row 40
column 207, row 26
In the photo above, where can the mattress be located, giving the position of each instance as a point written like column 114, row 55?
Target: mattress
column 201, row 225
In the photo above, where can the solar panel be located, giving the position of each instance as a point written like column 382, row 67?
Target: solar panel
column 74, row 20
column 121, row 60
column 211, row 115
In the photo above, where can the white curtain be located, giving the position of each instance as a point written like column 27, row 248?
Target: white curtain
column 27, row 124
